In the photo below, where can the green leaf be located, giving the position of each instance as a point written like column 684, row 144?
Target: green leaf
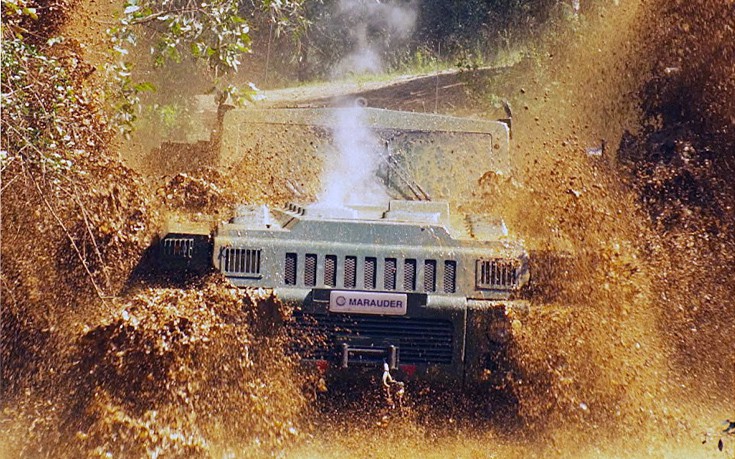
column 12, row 6
column 145, row 86
column 30, row 12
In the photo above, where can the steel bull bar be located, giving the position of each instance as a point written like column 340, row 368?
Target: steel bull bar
column 389, row 354
column 440, row 337
column 426, row 337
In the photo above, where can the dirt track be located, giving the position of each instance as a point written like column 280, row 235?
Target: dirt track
column 447, row 91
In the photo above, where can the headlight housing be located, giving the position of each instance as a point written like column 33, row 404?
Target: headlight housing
column 497, row 274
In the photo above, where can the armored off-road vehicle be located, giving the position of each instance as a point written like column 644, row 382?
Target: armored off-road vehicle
column 409, row 284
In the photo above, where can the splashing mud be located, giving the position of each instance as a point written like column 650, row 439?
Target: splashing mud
column 184, row 372
column 627, row 351
column 605, row 363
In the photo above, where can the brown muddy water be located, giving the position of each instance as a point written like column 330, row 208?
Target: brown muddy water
column 631, row 355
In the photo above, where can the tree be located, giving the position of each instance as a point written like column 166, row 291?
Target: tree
column 209, row 32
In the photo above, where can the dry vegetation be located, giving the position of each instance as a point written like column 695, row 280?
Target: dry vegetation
column 92, row 364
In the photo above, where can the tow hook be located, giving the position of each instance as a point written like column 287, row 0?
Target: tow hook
column 393, row 389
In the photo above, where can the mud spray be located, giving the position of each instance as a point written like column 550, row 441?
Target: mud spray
column 598, row 368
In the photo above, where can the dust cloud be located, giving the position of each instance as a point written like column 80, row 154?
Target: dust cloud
column 350, row 173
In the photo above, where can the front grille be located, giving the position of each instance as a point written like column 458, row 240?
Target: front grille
column 310, row 270
column 241, row 261
column 419, row 340
column 497, row 274
column 450, row 276
column 178, row 247
column 411, row 278
column 350, row 272
column 289, row 269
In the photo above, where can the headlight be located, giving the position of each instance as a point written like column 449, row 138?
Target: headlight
column 500, row 331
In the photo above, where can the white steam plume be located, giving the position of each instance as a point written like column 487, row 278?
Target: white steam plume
column 375, row 27
column 350, row 173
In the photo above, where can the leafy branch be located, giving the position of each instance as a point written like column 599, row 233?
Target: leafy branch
column 213, row 33
column 54, row 148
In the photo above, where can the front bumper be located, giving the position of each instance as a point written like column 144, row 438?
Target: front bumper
column 441, row 338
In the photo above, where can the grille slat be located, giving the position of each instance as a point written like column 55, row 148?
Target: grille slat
column 450, row 276
column 350, row 272
column 310, row 270
column 390, row 274
column 330, row 270
column 420, row 340
column 430, row 275
column 289, row 269
column 370, row 272
column 409, row 275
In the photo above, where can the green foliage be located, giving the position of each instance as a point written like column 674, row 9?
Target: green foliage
column 211, row 34
column 46, row 115
column 212, row 31
column 18, row 9
column 36, row 21
column 468, row 60
column 170, row 120
column 72, row 208
column 288, row 16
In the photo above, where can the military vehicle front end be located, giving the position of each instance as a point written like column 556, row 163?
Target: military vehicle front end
column 403, row 283
column 368, row 285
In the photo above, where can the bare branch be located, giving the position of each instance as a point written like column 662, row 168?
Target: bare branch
column 103, row 268
column 8, row 184
column 98, row 290
column 100, row 293
column 157, row 15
